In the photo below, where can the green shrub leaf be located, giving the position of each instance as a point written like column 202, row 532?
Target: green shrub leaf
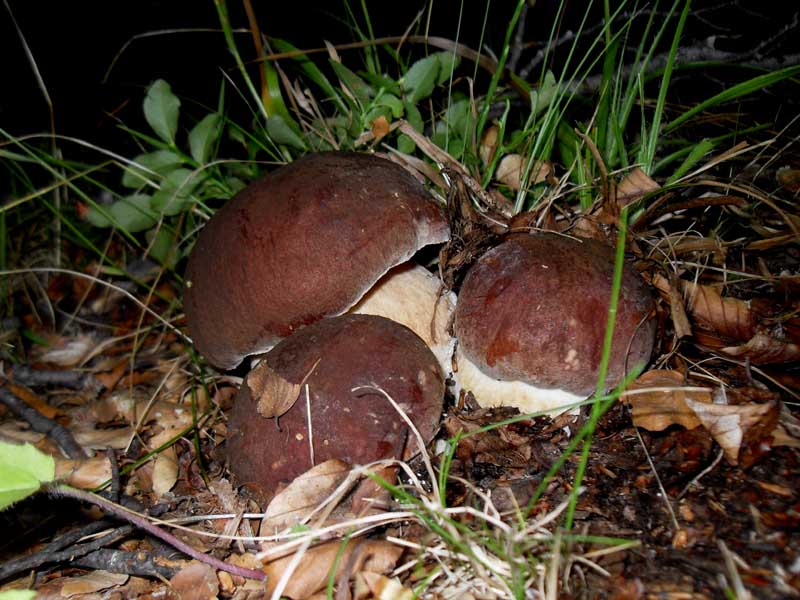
column 421, row 78
column 23, row 469
column 132, row 214
column 18, row 595
column 203, row 136
column 161, row 110
column 160, row 162
column 357, row 86
column 280, row 133
column 176, row 190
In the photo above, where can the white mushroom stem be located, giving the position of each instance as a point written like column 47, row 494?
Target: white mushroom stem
column 413, row 296
column 489, row 391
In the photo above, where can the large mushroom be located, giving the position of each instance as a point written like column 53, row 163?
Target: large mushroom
column 531, row 319
column 304, row 242
column 332, row 357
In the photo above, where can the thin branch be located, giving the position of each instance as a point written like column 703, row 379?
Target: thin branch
column 38, row 422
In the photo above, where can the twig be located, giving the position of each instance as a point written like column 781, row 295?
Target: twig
column 139, row 564
column 141, row 522
column 38, row 422
column 64, row 549
column 25, row 375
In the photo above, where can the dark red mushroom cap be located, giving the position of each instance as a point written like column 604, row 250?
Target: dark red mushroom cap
column 534, row 310
column 357, row 427
column 304, row 242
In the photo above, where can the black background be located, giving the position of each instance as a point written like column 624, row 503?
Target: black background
column 73, row 44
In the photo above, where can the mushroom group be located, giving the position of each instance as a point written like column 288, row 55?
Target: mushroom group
column 310, row 269
column 272, row 272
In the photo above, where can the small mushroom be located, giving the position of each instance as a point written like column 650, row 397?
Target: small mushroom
column 531, row 319
column 332, row 357
column 304, row 242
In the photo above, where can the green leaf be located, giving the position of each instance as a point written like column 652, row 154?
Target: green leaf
column 23, row 469
column 18, row 595
column 161, row 162
column 547, row 92
column 203, row 136
column 175, row 194
column 132, row 213
column 162, row 246
column 357, row 86
column 421, row 78
column 698, row 151
column 161, row 110
column 280, row 133
column 447, row 64
column 392, row 102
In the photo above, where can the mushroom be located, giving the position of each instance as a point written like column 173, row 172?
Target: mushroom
column 415, row 297
column 304, row 242
column 332, row 357
column 531, row 318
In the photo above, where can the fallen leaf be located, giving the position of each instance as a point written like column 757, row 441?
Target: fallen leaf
column 384, row 588
column 789, row 179
column 93, row 582
column 196, row 581
column 488, row 145
column 633, row 186
column 763, row 349
column 165, row 471
column 659, row 398
column 67, row 352
column 293, row 504
column 85, row 474
column 274, row 394
column 33, row 400
column 729, row 424
column 379, row 127
column 511, row 170
column 314, row 568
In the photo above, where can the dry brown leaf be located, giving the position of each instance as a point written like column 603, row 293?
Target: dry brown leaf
column 92, row 582
column 274, row 394
column 789, row 179
column 633, row 186
column 679, row 318
column 488, row 145
column 33, row 400
column 379, row 127
column 196, row 581
column 729, row 424
column 67, row 352
column 383, row 588
column 85, row 474
column 762, row 349
column 512, row 168
column 165, row 471
column 313, row 570
column 99, row 439
column 663, row 401
column 729, row 317
column 303, row 495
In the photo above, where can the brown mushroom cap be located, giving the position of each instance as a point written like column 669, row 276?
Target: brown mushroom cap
column 533, row 310
column 304, row 242
column 356, row 427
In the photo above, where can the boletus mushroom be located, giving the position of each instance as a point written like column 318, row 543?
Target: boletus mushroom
column 304, row 242
column 531, row 319
column 332, row 357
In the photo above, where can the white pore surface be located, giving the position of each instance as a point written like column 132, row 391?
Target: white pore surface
column 410, row 295
column 491, row 392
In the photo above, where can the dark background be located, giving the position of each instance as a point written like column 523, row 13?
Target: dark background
column 73, row 44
